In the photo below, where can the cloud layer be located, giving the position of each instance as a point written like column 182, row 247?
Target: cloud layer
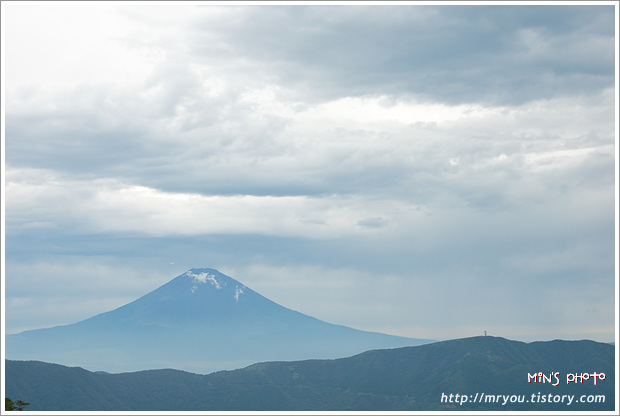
column 435, row 161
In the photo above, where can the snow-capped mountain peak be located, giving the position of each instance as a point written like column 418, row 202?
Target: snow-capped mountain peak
column 200, row 321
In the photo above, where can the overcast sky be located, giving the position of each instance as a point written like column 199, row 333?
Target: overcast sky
column 424, row 171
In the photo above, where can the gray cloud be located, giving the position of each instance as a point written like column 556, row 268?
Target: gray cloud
column 494, row 55
column 343, row 153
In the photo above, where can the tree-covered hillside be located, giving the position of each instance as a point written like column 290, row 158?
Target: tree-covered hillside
column 410, row 378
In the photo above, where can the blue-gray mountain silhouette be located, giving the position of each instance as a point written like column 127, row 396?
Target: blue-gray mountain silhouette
column 201, row 321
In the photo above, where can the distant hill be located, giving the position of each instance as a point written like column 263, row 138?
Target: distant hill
column 201, row 321
column 411, row 378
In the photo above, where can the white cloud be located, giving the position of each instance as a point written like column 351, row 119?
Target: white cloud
column 73, row 45
column 35, row 199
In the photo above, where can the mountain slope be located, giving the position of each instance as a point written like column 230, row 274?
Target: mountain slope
column 410, row 378
column 200, row 321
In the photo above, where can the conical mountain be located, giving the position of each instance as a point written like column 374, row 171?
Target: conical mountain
column 201, row 321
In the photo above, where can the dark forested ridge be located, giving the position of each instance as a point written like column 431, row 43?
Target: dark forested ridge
column 409, row 378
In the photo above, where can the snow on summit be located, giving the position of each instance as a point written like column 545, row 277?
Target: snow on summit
column 238, row 291
column 205, row 277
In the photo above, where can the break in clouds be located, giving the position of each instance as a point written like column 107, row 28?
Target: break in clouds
column 439, row 161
